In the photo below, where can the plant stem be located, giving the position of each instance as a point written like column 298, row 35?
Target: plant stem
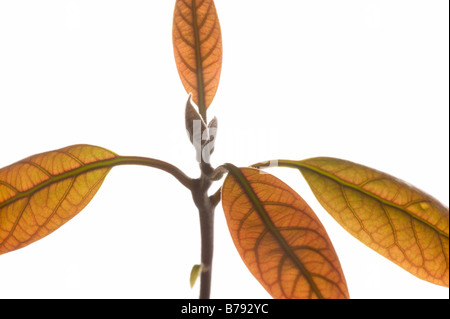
column 205, row 204
column 206, row 208
column 145, row 161
column 207, row 239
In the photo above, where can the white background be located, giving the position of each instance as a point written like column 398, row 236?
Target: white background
column 365, row 81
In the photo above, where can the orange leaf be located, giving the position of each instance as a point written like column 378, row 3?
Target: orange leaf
column 42, row 192
column 197, row 43
column 395, row 219
column 279, row 237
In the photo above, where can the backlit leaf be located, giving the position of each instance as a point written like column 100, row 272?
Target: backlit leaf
column 280, row 239
column 397, row 220
column 42, row 192
column 197, row 43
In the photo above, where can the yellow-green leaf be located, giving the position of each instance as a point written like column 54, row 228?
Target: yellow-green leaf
column 195, row 272
column 397, row 220
column 279, row 238
column 42, row 192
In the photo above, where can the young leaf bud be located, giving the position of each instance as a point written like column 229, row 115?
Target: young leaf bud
column 195, row 127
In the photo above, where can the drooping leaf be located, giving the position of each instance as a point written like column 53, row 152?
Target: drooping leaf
column 42, row 192
column 197, row 43
column 280, row 239
column 395, row 219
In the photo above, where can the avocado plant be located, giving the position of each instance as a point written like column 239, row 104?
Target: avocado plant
column 280, row 239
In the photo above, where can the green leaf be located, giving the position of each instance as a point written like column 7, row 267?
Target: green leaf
column 195, row 272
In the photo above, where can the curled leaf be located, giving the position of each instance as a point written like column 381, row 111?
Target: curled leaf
column 201, row 136
column 397, row 220
column 197, row 43
column 212, row 129
column 280, row 239
column 196, row 128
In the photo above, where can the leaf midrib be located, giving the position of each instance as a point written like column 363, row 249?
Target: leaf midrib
column 85, row 168
column 250, row 193
column 300, row 165
column 199, row 62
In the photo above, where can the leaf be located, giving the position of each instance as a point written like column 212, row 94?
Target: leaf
column 195, row 272
column 395, row 219
column 42, row 192
column 197, row 43
column 195, row 125
column 280, row 239
column 212, row 130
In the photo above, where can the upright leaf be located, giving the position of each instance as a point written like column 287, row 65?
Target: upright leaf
column 195, row 125
column 195, row 273
column 397, row 220
column 197, row 43
column 279, row 237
